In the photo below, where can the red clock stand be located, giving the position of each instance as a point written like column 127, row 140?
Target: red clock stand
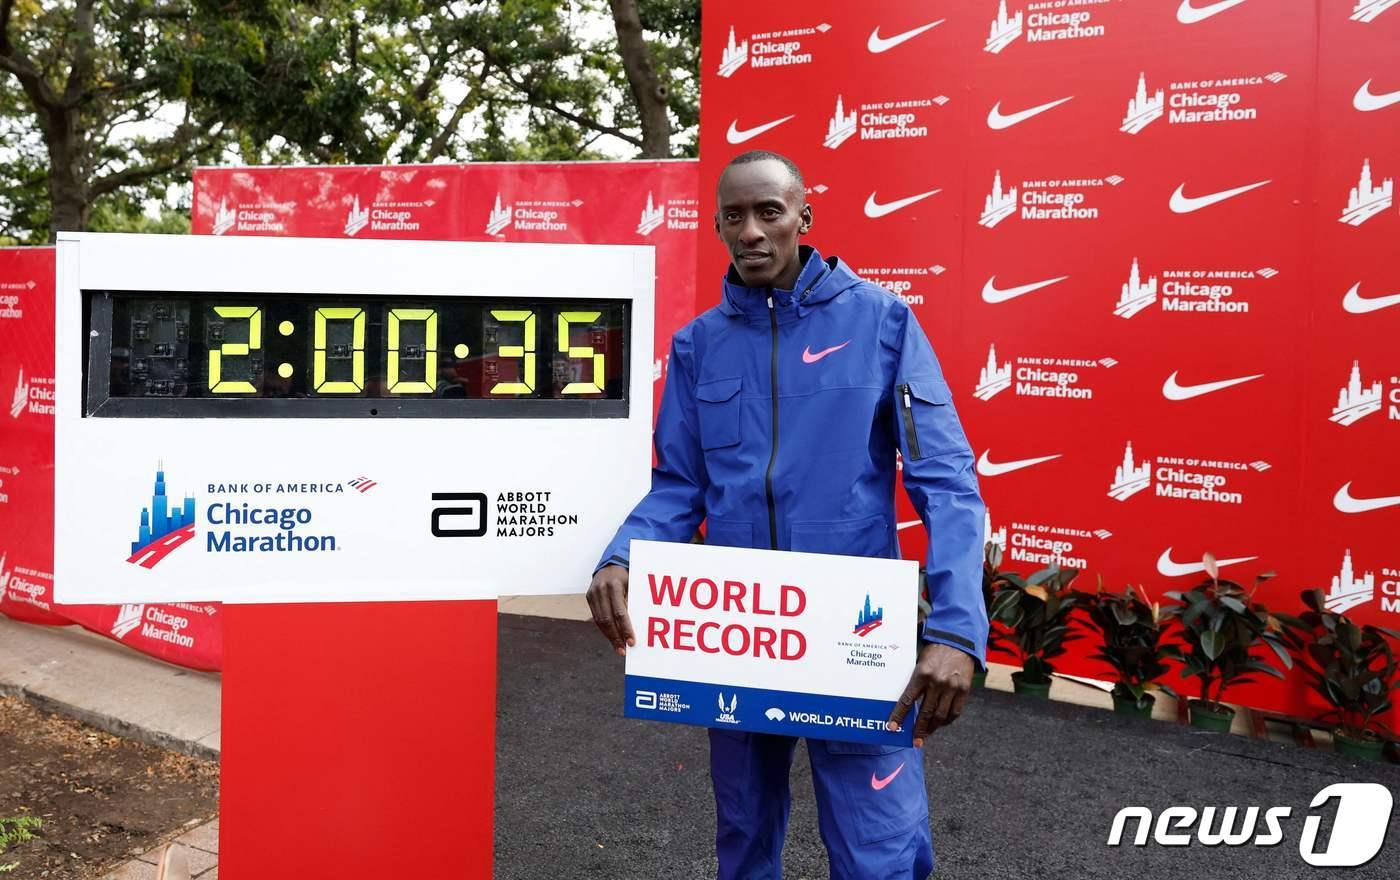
column 358, row 741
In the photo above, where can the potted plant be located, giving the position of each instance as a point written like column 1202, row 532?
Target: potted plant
column 1354, row 669
column 1037, row 610
column 991, row 582
column 1221, row 629
column 1130, row 629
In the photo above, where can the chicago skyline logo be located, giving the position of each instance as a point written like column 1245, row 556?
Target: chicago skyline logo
column 999, row 204
column 19, row 401
column 501, row 216
column 162, row 529
column 1042, row 199
column 1366, row 200
column 1050, row 377
column 1347, row 590
column 1006, row 29
column 1137, row 294
column 225, row 218
column 1193, row 102
column 840, row 128
column 867, row 620
column 1130, row 478
column 1042, row 25
column 4, row 574
column 1367, row 10
column 879, row 120
column 652, row 217
column 1356, row 401
column 1199, row 291
column 532, row 215
column 357, row 219
column 128, row 619
column 676, row 214
column 250, row 218
column 1143, row 109
column 1180, row 478
column 993, row 378
column 760, row 51
column 735, row 56
column 993, row 536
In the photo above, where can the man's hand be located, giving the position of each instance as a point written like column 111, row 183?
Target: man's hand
column 942, row 679
column 607, row 599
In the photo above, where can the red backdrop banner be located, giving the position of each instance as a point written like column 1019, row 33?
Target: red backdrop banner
column 1153, row 246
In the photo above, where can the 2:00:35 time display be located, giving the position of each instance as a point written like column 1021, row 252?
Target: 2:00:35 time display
column 235, row 347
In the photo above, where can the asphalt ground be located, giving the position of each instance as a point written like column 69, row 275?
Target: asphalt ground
column 1017, row 787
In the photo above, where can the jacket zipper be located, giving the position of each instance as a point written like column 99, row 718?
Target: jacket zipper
column 907, row 410
column 773, row 456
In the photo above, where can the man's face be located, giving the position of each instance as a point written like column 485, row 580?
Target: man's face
column 762, row 212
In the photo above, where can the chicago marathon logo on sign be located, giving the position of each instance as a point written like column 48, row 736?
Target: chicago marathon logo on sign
column 1194, row 102
column 1181, row 478
column 765, row 50
column 1047, row 21
column 385, row 216
column 157, row 622
column 270, row 218
column 681, row 214
column 1350, row 588
column 531, row 215
column 163, row 529
column 909, row 283
column 11, row 305
column 1045, row 199
column 33, row 395
column 25, row 586
column 903, row 119
column 1194, row 291
column 1053, row 377
column 1368, row 198
column 868, row 619
column 1361, row 397
column 1045, row 544
column 1366, row 11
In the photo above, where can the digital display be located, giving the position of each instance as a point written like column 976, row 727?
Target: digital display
column 167, row 354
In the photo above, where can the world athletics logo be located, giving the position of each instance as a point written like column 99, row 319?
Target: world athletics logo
column 162, row 529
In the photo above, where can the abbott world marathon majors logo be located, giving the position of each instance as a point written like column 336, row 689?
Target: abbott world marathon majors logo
column 766, row 50
column 1048, row 377
column 909, row 283
column 1361, row 397
column 266, row 218
column 1191, row 291
column 33, row 395
column 905, row 119
column 1358, row 827
column 1044, row 199
column 1198, row 102
column 678, row 214
column 385, row 216
column 1180, row 478
column 1049, row 21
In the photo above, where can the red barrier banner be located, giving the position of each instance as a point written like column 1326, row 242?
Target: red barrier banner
column 1151, row 243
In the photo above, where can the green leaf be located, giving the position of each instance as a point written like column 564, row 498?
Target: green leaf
column 1213, row 644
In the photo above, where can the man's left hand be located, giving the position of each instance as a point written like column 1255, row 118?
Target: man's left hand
column 942, row 679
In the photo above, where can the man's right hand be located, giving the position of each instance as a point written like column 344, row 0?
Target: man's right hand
column 607, row 599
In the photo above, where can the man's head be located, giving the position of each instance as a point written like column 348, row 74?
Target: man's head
column 762, row 210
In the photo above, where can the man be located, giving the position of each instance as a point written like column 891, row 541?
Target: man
column 778, row 427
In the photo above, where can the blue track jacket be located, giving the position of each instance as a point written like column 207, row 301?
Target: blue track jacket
column 778, row 426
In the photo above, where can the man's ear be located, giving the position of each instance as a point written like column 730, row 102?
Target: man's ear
column 806, row 225
column 717, row 232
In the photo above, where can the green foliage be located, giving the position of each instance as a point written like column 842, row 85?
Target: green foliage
column 1037, row 609
column 13, row 830
column 992, row 577
column 1130, row 629
column 1350, row 665
column 1222, row 629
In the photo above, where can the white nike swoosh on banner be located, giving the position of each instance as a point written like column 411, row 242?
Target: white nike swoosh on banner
column 738, row 136
column 876, row 44
column 1357, row 304
column 1182, row 204
column 874, row 209
column 991, row 294
column 988, row 468
column 1347, row 503
column 997, row 121
column 1188, row 14
column 1172, row 391
column 1169, row 568
column 1367, row 101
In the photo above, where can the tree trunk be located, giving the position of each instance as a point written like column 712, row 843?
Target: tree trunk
column 68, row 191
column 649, row 92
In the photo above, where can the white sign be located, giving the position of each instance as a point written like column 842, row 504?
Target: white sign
column 803, row 644
column 343, row 491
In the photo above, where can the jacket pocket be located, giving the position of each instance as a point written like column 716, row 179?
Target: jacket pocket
column 927, row 417
column 728, row 533
column 718, row 405
column 844, row 537
column 882, row 786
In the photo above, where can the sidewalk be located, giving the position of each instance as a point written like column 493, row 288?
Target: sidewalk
column 201, row 845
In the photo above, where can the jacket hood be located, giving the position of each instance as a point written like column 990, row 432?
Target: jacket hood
column 820, row 280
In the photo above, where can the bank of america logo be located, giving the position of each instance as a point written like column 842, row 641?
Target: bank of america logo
column 993, row 378
column 128, row 618
column 868, row 619
column 1366, row 200
column 841, row 126
column 652, row 217
column 735, row 56
column 1136, row 294
column 501, row 215
column 1143, row 109
column 1367, row 10
column 999, row 205
column 1130, row 477
column 363, row 484
column 224, row 218
column 358, row 218
column 1355, row 401
column 1005, row 29
column 163, row 530
column 1347, row 590
column 994, row 536
column 20, row 401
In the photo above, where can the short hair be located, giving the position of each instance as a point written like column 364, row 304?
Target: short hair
column 766, row 156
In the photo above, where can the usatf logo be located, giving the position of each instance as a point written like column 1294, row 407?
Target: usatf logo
column 906, row 282
column 880, row 120
column 1192, row 102
column 767, row 49
column 727, row 712
column 868, row 619
column 1367, row 10
column 363, row 484
column 358, row 218
column 1063, row 378
column 249, row 218
column 1366, row 199
column 1042, row 22
column 224, row 218
column 1053, row 199
column 681, row 214
column 1182, row 479
column 1198, row 291
column 128, row 619
column 162, row 530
